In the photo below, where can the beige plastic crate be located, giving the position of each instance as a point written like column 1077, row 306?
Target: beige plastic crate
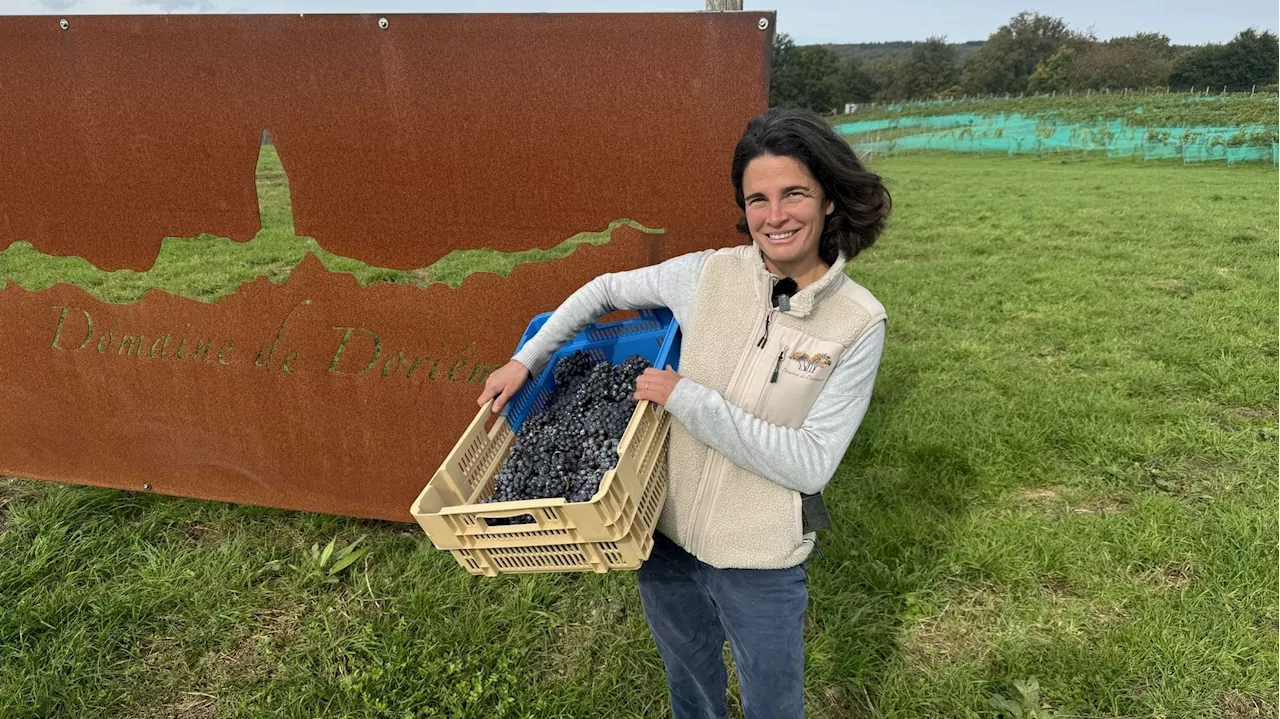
column 614, row 530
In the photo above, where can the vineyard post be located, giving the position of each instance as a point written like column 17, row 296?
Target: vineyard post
column 1255, row 89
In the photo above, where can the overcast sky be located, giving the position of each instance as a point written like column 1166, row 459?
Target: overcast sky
column 1186, row 22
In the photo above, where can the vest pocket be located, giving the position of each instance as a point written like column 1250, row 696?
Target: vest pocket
column 797, row 371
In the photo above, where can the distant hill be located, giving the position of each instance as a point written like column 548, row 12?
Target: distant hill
column 869, row 51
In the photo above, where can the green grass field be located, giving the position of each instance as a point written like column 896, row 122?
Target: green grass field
column 1068, row 472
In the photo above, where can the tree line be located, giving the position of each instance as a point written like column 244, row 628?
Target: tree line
column 1032, row 53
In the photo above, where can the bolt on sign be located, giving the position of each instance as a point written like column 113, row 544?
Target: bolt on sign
column 272, row 259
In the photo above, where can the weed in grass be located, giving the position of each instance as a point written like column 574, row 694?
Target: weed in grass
column 323, row 566
column 1026, row 705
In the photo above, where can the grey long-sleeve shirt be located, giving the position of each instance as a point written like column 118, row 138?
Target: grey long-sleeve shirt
column 803, row 458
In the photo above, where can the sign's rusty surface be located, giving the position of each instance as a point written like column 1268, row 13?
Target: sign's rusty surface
column 438, row 133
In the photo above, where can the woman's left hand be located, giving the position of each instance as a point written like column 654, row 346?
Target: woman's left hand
column 656, row 385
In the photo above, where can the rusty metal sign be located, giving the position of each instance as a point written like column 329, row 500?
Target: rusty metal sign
column 272, row 259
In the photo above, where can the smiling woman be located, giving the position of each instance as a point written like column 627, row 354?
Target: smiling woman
column 785, row 213
column 797, row 176
column 769, row 394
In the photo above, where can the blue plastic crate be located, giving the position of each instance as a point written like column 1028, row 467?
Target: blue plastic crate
column 654, row 335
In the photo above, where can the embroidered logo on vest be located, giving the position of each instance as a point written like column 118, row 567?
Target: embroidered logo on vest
column 810, row 363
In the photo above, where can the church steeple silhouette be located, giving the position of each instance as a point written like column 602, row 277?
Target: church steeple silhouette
column 262, row 182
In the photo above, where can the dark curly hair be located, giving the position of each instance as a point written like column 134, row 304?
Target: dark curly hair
column 861, row 200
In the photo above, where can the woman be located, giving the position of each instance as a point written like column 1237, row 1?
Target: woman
column 779, row 354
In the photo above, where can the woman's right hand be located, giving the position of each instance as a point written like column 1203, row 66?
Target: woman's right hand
column 503, row 384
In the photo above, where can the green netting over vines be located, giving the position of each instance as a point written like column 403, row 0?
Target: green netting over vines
column 1019, row 134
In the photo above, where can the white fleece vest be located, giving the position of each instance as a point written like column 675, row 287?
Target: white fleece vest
column 718, row 511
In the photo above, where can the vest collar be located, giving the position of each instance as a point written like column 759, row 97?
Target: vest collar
column 802, row 302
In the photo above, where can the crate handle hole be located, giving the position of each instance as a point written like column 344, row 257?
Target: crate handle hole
column 489, row 522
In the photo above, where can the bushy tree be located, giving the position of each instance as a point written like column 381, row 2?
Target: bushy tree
column 1056, row 73
column 809, row 76
column 1258, row 57
column 783, row 70
column 1143, row 60
column 860, row 83
column 931, row 67
column 884, row 73
column 1012, row 53
column 1250, row 58
column 1208, row 65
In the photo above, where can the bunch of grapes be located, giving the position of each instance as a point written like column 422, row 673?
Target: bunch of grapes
column 565, row 449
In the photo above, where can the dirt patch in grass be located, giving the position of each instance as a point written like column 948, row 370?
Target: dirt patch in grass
column 960, row 631
column 251, row 661
column 570, row 652
column 1198, row 466
column 1248, row 419
column 1234, row 705
column 574, row 647
column 1041, row 494
column 191, row 685
column 1260, row 413
column 12, row 493
column 980, row 619
column 1189, row 478
column 832, row 700
column 1174, row 287
column 277, row 624
column 1057, row 586
column 1100, row 504
column 1057, row 499
column 188, row 705
column 1174, row 577
column 244, row 663
column 202, row 534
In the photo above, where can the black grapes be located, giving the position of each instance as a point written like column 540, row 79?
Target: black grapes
column 565, row 449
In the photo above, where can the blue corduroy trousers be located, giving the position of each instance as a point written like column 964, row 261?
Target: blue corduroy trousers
column 692, row 607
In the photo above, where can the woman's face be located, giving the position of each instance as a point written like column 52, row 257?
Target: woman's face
column 785, row 209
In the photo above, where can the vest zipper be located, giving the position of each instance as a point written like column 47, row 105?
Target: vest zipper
column 773, row 379
column 712, row 469
column 765, row 338
column 767, row 390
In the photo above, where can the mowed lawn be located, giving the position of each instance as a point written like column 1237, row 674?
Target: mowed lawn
column 1068, row 472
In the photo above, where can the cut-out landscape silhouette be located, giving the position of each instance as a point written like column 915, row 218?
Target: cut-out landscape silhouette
column 207, row 268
